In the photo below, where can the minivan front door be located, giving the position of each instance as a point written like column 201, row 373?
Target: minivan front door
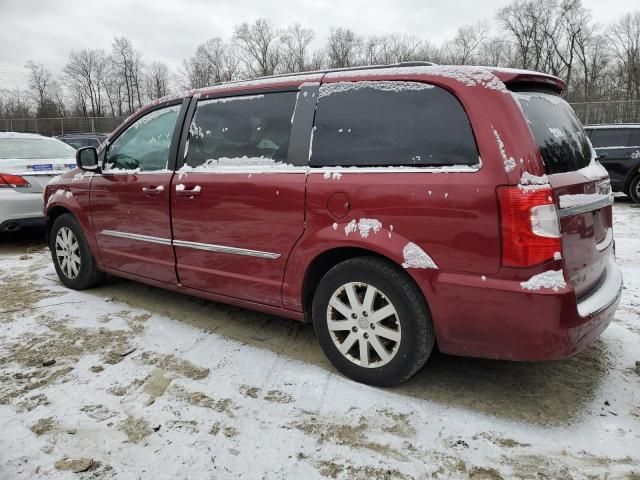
column 130, row 199
column 238, row 201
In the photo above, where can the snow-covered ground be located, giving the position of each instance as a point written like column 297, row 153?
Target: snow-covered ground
column 151, row 384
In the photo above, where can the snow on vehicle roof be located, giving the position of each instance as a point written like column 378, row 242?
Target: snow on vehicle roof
column 470, row 76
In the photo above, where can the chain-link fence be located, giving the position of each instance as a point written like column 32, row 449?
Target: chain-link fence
column 60, row 126
column 591, row 113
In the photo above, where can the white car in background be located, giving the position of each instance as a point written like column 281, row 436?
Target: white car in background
column 27, row 163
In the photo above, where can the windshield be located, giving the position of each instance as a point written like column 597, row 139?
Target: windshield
column 33, row 148
column 563, row 144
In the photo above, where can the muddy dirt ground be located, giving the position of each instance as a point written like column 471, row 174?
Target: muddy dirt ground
column 130, row 381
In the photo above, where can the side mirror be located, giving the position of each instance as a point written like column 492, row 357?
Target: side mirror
column 87, row 159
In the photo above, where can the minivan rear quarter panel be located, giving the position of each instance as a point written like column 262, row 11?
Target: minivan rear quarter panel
column 452, row 215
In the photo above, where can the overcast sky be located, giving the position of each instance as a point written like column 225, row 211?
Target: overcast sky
column 47, row 30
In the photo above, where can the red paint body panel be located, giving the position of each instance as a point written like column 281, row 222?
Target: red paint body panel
column 118, row 203
column 479, row 307
column 78, row 204
column 254, row 211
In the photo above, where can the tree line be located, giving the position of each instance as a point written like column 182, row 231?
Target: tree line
column 560, row 37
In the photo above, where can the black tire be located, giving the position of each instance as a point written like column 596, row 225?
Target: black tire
column 413, row 319
column 634, row 189
column 88, row 274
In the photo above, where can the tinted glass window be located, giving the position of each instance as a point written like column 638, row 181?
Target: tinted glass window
column 634, row 141
column 33, row 148
column 145, row 144
column 557, row 131
column 610, row 137
column 390, row 123
column 237, row 131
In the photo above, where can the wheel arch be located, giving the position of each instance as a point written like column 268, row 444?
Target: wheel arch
column 631, row 175
column 327, row 259
column 56, row 210
column 53, row 213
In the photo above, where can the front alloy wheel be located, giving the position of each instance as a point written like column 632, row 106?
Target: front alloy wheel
column 68, row 253
column 72, row 258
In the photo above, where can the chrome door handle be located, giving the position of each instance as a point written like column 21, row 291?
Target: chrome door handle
column 152, row 191
column 182, row 191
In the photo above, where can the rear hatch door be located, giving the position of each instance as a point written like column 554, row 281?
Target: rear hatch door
column 581, row 188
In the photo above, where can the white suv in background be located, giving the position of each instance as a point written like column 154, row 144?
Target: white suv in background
column 27, row 163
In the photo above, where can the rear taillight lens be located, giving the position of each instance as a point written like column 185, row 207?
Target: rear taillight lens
column 530, row 226
column 8, row 180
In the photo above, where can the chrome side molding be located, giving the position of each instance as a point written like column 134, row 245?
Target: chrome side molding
column 136, row 236
column 195, row 245
column 224, row 249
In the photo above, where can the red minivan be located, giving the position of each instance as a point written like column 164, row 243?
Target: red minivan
column 394, row 207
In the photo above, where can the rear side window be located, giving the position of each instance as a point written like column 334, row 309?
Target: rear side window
column 557, row 131
column 390, row 124
column 251, row 130
column 610, row 137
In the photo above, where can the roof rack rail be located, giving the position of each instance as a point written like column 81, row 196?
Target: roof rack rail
column 346, row 69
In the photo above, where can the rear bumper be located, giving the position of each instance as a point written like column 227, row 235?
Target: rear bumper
column 17, row 205
column 19, row 223
column 499, row 319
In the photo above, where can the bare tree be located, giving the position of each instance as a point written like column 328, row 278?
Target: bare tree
column 258, row 44
column 344, row 48
column 395, row 48
column 39, row 81
column 527, row 22
column 624, row 41
column 214, row 61
column 13, row 104
column 465, row 46
column 296, row 41
column 127, row 63
column 157, row 80
column 496, row 52
column 84, row 73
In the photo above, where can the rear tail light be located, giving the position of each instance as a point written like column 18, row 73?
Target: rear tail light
column 8, row 180
column 530, row 226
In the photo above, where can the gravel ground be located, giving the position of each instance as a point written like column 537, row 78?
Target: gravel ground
column 128, row 381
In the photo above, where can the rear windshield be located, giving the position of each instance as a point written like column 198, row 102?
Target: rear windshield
column 562, row 141
column 33, row 148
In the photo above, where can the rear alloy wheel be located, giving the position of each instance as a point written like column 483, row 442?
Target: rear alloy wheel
column 71, row 256
column 372, row 321
column 634, row 189
column 363, row 325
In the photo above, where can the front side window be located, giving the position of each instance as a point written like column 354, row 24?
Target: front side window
column 389, row 123
column 144, row 146
column 247, row 131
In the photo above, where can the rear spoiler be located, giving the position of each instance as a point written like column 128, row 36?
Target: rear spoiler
column 525, row 78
